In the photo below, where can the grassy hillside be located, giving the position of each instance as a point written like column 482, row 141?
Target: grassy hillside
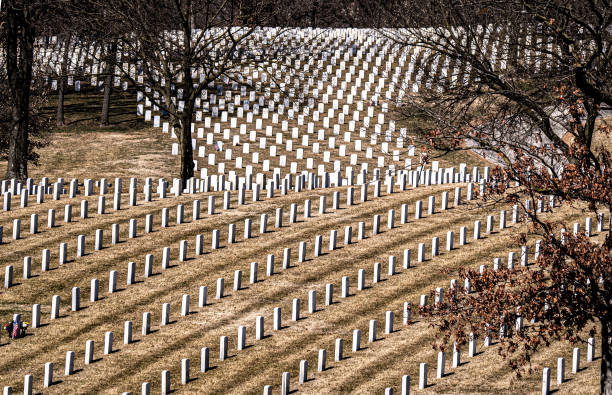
column 129, row 149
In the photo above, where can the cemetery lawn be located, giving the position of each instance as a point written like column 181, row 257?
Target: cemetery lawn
column 127, row 149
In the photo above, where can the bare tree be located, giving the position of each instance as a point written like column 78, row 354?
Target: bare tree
column 19, row 30
column 180, row 47
column 525, row 84
column 38, row 124
column 21, row 22
column 62, row 76
column 110, row 51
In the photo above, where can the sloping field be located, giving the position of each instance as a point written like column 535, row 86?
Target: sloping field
column 372, row 368
column 237, row 290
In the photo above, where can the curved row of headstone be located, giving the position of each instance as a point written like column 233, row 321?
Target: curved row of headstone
column 312, row 294
column 561, row 378
column 312, row 184
column 441, row 355
column 241, row 200
column 99, row 233
column 12, row 188
column 199, row 247
column 295, row 313
column 295, row 316
column 270, row 260
column 280, row 111
column 88, row 191
column 185, row 304
column 372, row 337
column 303, row 369
column 207, row 184
column 165, row 262
column 180, row 210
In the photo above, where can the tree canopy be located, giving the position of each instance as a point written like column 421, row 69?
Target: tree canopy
column 534, row 101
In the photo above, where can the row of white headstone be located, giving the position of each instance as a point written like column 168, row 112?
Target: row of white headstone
column 252, row 94
column 149, row 219
column 185, row 308
column 205, row 184
column 561, row 366
column 180, row 219
column 218, row 184
column 166, row 253
column 199, row 250
column 303, row 376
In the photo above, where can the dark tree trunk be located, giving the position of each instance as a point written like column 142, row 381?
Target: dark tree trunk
column 185, row 147
column 59, row 115
column 19, row 58
column 186, row 150
column 61, row 84
column 609, row 235
column 108, row 83
column 313, row 13
column 606, row 357
column 104, row 118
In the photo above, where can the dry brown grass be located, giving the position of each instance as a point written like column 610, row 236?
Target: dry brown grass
column 369, row 370
column 165, row 347
column 85, row 153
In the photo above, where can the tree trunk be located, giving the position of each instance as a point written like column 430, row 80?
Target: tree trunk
column 19, row 58
column 606, row 357
column 185, row 147
column 108, row 83
column 187, row 115
column 59, row 116
column 18, row 139
column 313, row 14
column 609, row 237
column 104, row 118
